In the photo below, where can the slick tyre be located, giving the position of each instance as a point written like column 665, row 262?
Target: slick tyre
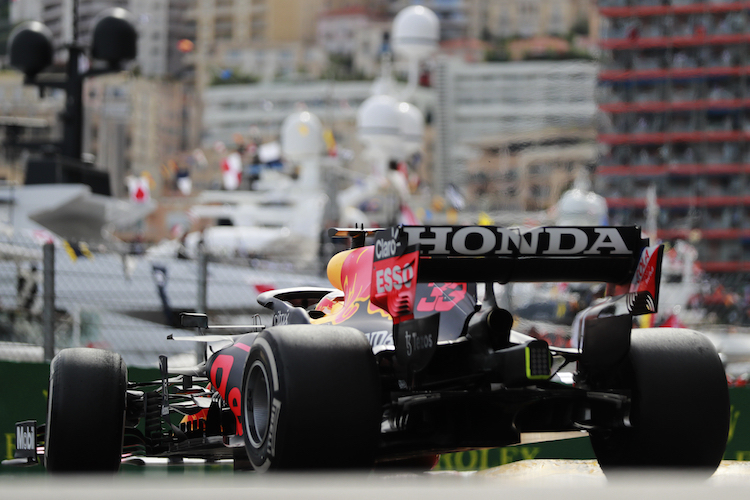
column 311, row 399
column 680, row 405
column 85, row 411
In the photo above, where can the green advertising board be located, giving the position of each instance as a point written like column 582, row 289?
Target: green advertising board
column 25, row 398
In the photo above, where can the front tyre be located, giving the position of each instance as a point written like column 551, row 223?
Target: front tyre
column 85, row 411
column 311, row 399
column 680, row 405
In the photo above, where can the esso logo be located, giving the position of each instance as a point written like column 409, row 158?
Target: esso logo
column 385, row 249
column 395, row 277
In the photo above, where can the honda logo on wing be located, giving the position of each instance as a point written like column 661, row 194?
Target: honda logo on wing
column 542, row 241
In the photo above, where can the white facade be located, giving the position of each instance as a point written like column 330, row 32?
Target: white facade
column 235, row 109
column 453, row 16
column 25, row 10
column 153, row 28
column 270, row 61
column 487, row 100
column 337, row 32
column 368, row 45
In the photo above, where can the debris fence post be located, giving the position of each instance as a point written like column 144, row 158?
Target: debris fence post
column 202, row 280
column 48, row 316
column 202, row 306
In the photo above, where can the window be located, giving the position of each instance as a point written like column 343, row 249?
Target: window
column 557, row 22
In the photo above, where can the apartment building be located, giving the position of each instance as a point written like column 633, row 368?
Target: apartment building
column 529, row 171
column 133, row 125
column 523, row 18
column 478, row 105
column 259, row 37
column 161, row 27
column 674, row 86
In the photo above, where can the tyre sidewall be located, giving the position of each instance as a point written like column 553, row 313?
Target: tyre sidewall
column 85, row 411
column 261, row 453
column 680, row 408
column 323, row 404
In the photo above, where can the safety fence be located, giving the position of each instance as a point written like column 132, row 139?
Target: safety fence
column 55, row 295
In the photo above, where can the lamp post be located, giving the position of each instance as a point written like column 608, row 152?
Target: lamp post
column 31, row 51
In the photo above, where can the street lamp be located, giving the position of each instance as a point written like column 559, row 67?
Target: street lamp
column 30, row 48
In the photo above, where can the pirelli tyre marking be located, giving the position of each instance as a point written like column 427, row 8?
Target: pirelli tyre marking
column 262, row 422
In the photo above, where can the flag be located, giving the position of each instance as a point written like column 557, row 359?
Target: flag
column 485, row 219
column 76, row 249
column 139, row 189
column 407, row 216
column 330, row 142
column 231, row 170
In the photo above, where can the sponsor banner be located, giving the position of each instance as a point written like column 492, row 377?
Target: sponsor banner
column 394, row 274
column 643, row 297
column 416, row 342
column 26, row 440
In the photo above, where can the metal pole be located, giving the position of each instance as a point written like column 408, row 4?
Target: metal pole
column 201, row 348
column 202, row 280
column 48, row 315
column 73, row 116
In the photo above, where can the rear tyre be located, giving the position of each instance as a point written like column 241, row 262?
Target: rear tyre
column 680, row 405
column 311, row 399
column 85, row 411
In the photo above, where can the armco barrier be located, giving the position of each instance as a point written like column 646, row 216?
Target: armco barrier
column 25, row 398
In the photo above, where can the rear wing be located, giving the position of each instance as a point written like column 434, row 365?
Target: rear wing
column 605, row 254
column 487, row 253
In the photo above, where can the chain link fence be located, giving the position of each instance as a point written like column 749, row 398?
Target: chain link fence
column 126, row 303
column 131, row 303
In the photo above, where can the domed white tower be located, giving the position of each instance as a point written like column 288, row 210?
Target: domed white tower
column 302, row 143
column 301, row 136
column 415, row 35
column 580, row 206
column 412, row 128
column 379, row 128
column 415, row 32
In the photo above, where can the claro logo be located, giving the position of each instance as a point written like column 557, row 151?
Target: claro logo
column 385, row 249
column 550, row 241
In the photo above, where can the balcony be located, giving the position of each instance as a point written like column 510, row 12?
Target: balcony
column 622, row 8
column 674, row 41
column 617, row 71
column 664, row 137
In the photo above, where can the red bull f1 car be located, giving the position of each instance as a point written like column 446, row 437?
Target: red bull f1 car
column 399, row 362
